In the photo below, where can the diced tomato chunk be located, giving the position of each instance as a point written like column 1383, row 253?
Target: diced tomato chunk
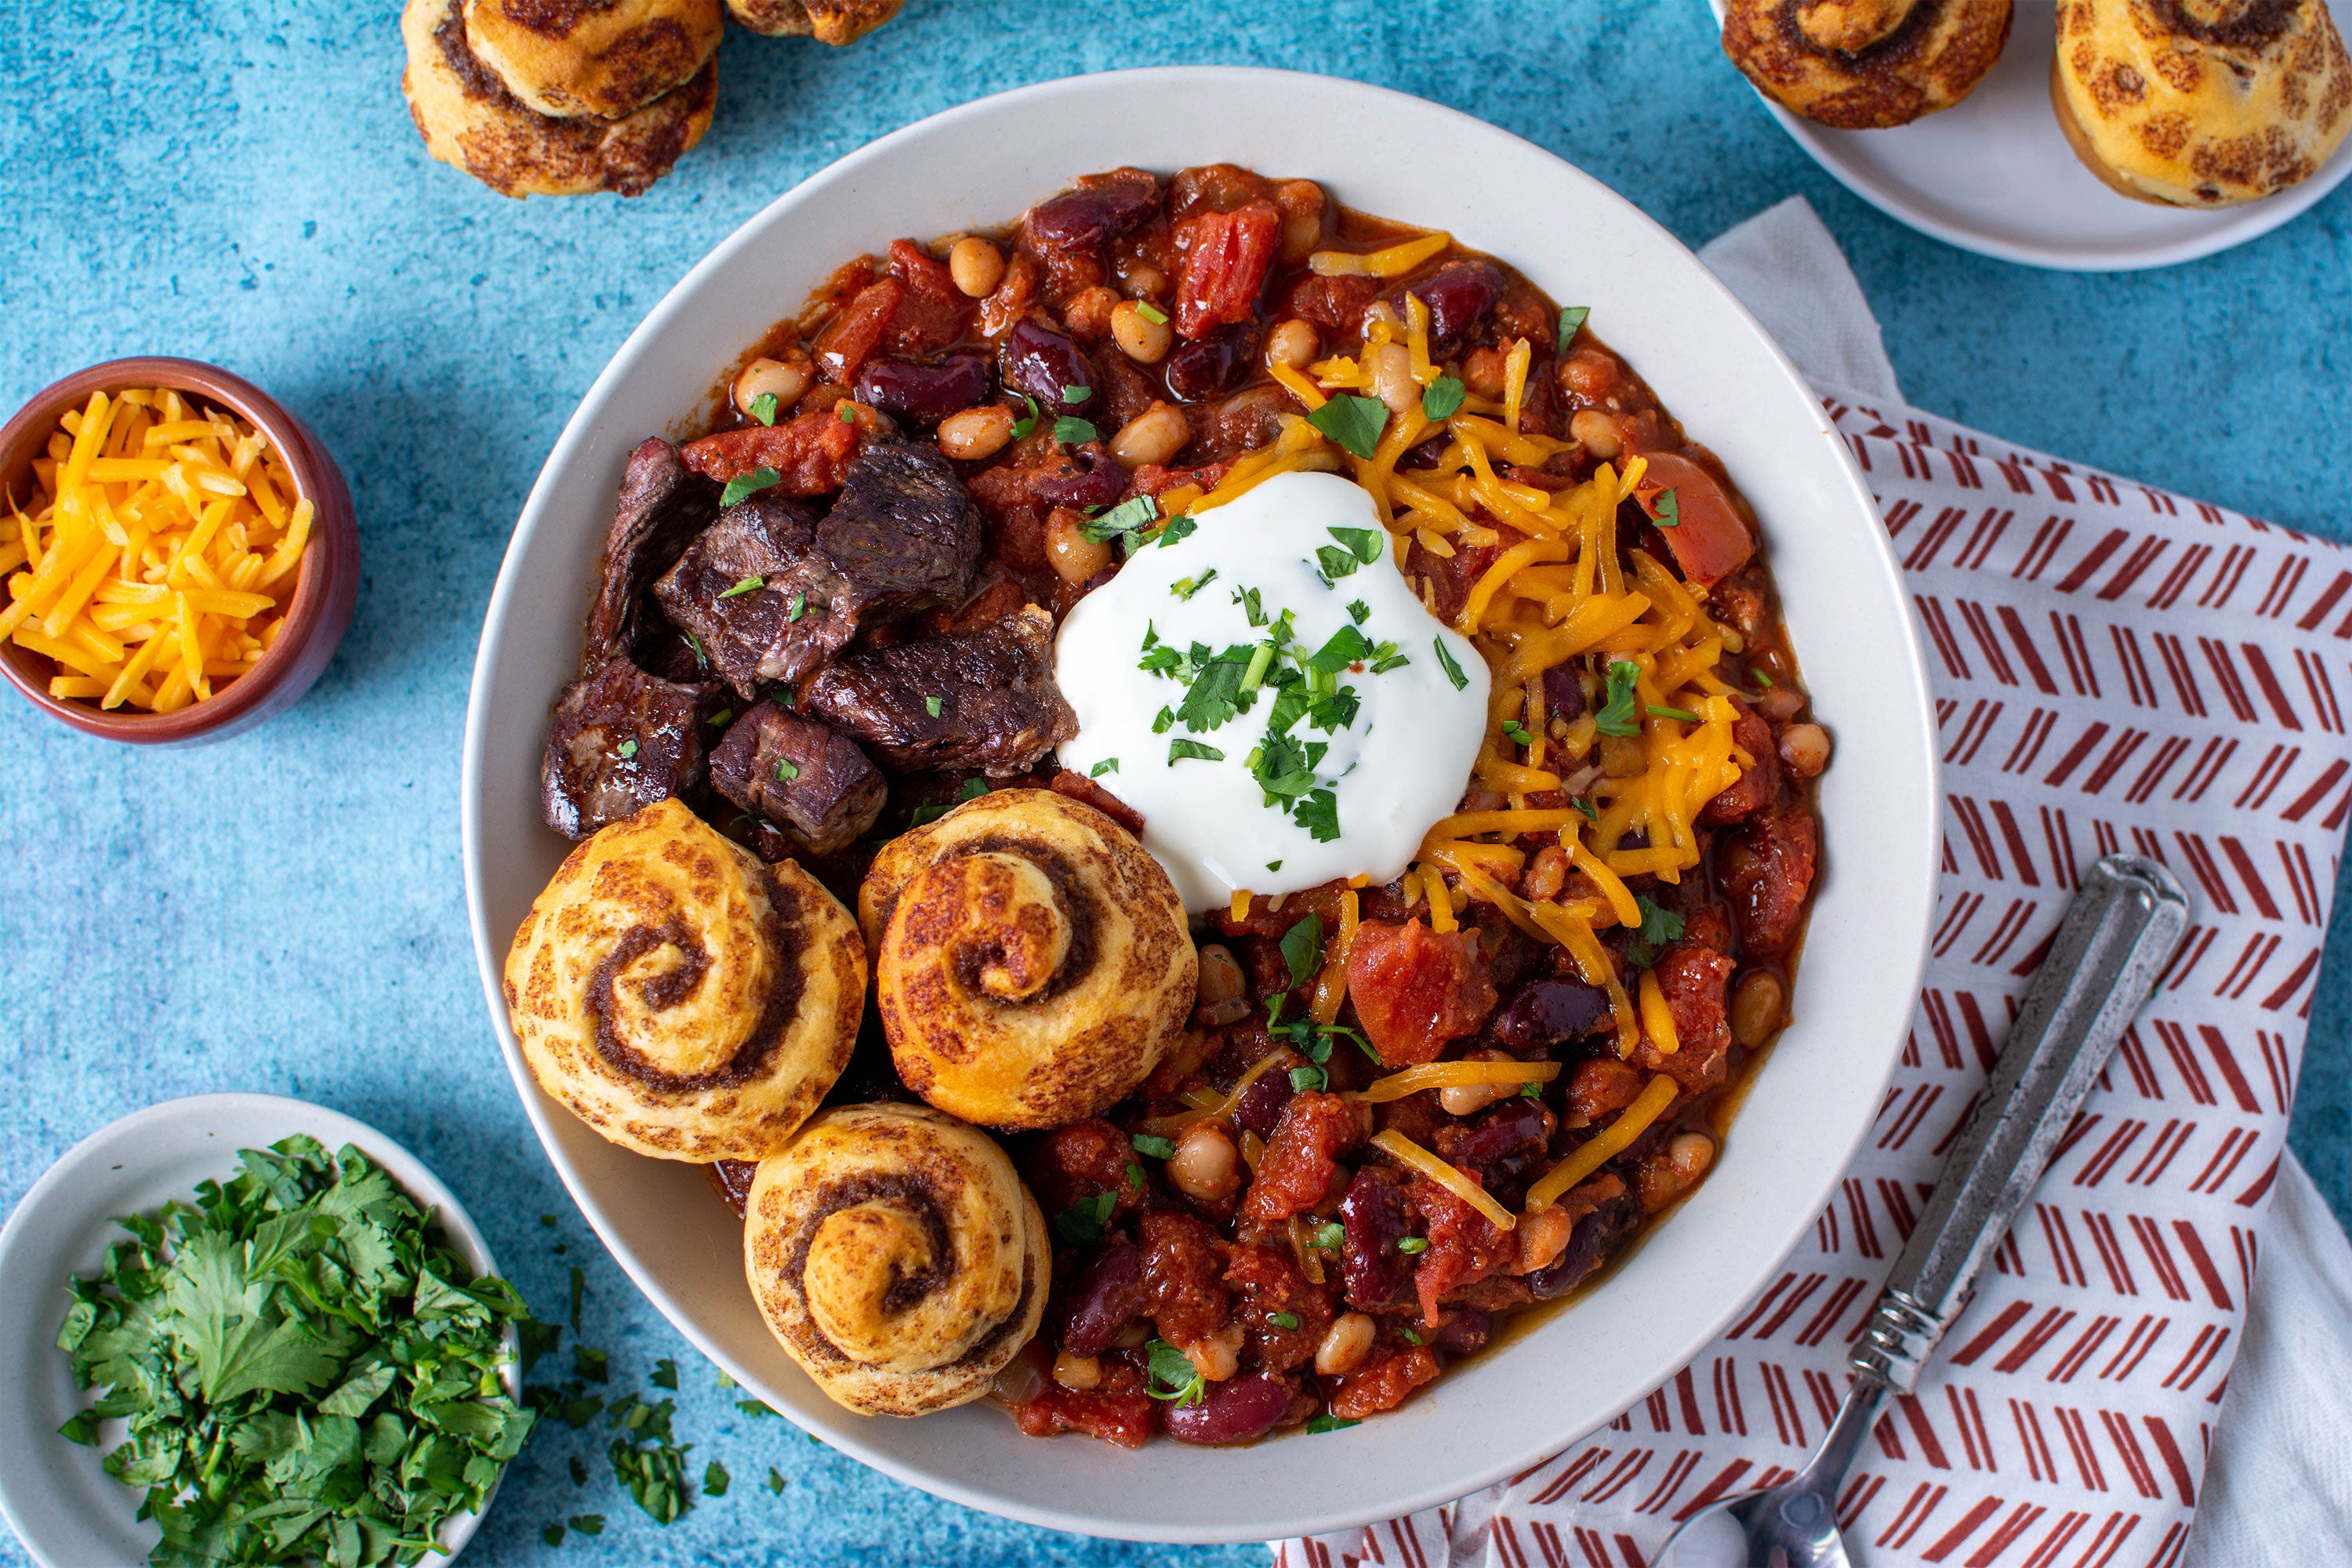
column 1301, row 1160
column 1754, row 788
column 1710, row 542
column 1116, row 1409
column 1414, row 989
column 1183, row 1277
column 1465, row 1246
column 1227, row 255
column 1770, row 870
column 1384, row 1384
column 811, row 455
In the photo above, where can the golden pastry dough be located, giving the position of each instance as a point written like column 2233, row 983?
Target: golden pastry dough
column 898, row 1258
column 680, row 997
column 2201, row 104
column 469, row 120
column 1865, row 65
column 1032, row 962
column 606, row 58
column 828, row 21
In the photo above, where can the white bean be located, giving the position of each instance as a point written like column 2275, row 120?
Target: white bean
column 1205, row 1167
column 1345, row 1344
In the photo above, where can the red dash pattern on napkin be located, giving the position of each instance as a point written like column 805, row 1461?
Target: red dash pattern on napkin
column 2114, row 668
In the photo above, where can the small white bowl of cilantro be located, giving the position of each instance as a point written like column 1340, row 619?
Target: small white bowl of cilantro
column 293, row 1346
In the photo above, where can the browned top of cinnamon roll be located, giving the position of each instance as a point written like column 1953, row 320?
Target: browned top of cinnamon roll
column 1861, row 65
column 680, row 997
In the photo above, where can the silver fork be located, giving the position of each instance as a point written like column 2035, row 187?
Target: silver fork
column 2118, row 935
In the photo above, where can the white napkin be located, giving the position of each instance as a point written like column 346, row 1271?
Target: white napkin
column 2028, row 1465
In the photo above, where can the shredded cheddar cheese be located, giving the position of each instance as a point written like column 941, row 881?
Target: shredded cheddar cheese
column 1393, row 261
column 1218, row 1107
column 1613, row 1141
column 1454, row 1075
column 161, row 547
column 1409, row 1153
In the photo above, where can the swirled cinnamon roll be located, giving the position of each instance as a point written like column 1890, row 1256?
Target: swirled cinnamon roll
column 680, row 997
column 2201, row 104
column 898, row 1258
column 1032, row 959
column 1865, row 65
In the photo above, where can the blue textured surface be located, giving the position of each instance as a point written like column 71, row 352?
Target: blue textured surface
column 241, row 184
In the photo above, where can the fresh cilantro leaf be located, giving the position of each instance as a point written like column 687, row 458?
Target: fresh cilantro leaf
column 796, row 608
column 1442, row 399
column 1251, row 606
column 649, row 1461
column 665, row 1374
column 1072, row 431
column 1346, row 647
column 775, row 1480
column 1185, row 587
column 588, row 1362
column 1592, row 811
column 1178, row 528
column 744, row 585
column 846, row 412
column 1412, row 1244
column 1327, row 1422
column 1173, row 1375
column 1571, row 319
column 1335, row 561
column 1320, row 814
column 763, row 409
column 1658, row 712
column 1129, row 518
column 552, row 1534
column 1385, row 658
column 1081, row 1224
column 1274, row 865
column 1179, row 749
column 1309, row 1080
column 626, row 749
column 1077, row 394
column 749, row 484
column 1365, row 543
column 1215, row 695
column 1666, row 511
column 1531, row 1090
column 1302, row 949
column 1108, row 766
column 1337, row 711
column 1284, row 1320
column 1355, row 422
column 1021, row 428
column 589, row 1524
column 1410, row 1336
column 1163, row 721
column 1659, row 926
column 931, row 706
column 1327, row 1237
column 787, row 771
column 701, row 654
column 1358, row 611
column 1158, row 1148
column 1453, row 670
column 715, row 1479
column 719, row 719
column 1517, row 732
column 1616, row 715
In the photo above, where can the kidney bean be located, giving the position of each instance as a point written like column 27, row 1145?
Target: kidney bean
column 1043, row 363
column 1093, row 477
column 1234, row 1411
column 1517, row 1125
column 1596, row 1236
column 1425, row 455
column 1109, row 1293
column 1546, row 1011
column 1374, row 1218
column 1260, row 1110
column 1563, row 693
column 1458, row 294
column 1465, row 1330
column 923, row 393
column 1211, row 365
column 1092, row 214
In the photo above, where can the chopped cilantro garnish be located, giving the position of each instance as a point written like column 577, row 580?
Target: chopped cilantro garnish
column 1124, row 522
column 1412, row 1244
column 1570, row 320
column 1185, row 587
column 1179, row 749
column 1358, row 611
column 1284, row 1320
column 1077, row 394
column 1320, row 814
column 701, row 654
column 1274, row 865
column 1517, row 732
column 1442, row 399
column 1151, row 313
column 1531, row 1090
column 846, row 411
column 1215, row 695
column 1355, row 422
column 1385, row 658
column 626, row 749
column 1247, row 598
column 1666, row 511
column 1364, row 544
column 1327, row 1237
column 715, row 1479
column 1178, row 528
column 1108, row 766
column 1072, row 431
column 1173, row 1375
column 1081, row 1224
column 1335, row 562
column 1347, row 645
column 665, row 1374
column 1592, row 811
column 1021, row 428
column 721, row 717
column 744, row 585
column 1453, row 670
column 649, row 1461
column 743, row 485
column 1410, row 1337
column 775, row 1480
column 1659, row 926
column 1761, row 679
column 797, row 607
column 1684, row 714
column 1163, row 721
column 1327, row 1422
column 932, row 811
column 1309, row 1080
column 1302, row 949
column 931, row 706
column 1616, row 715
column 1158, row 1148
column 787, row 771
column 763, row 409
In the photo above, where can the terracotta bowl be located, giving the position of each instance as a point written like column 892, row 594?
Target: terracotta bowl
column 325, row 588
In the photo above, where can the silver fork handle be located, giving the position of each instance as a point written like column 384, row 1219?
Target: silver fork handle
column 2114, row 944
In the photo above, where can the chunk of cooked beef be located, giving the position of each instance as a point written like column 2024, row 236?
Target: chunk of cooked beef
column 981, row 699
column 663, row 505
column 756, row 594
column 621, row 741
column 902, row 537
column 813, row 784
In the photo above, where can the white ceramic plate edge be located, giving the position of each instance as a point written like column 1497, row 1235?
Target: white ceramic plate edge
column 1918, row 878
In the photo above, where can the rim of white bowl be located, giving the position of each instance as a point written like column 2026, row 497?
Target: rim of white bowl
column 119, row 1142
column 1132, row 85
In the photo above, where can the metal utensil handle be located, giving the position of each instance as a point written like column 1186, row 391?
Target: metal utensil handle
column 2115, row 942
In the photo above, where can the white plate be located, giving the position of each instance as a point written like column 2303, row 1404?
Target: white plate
column 1993, row 174
column 64, row 1507
column 1386, row 153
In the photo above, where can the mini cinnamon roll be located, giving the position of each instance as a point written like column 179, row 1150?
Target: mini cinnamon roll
column 1032, row 959
column 2201, row 104
column 1865, row 65
column 897, row 1257
column 680, row 997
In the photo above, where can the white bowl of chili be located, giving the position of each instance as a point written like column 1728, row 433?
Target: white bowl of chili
column 1732, row 389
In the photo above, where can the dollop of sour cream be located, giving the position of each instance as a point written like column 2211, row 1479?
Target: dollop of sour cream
column 1183, row 667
